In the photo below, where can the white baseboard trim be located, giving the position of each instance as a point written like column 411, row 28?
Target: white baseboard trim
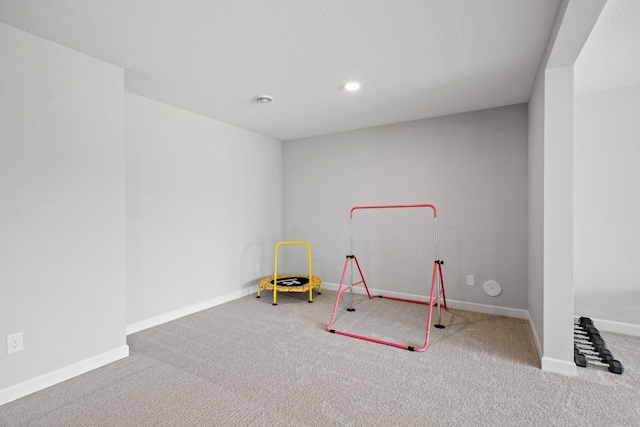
column 615, row 327
column 185, row 311
column 536, row 337
column 59, row 375
column 459, row 305
column 489, row 309
column 558, row 366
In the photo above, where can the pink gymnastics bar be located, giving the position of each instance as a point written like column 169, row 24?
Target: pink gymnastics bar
column 424, row 205
column 436, row 274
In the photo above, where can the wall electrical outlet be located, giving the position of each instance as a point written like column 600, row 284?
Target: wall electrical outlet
column 470, row 280
column 257, row 268
column 15, row 343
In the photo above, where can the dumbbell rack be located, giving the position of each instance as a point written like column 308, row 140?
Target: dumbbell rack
column 590, row 349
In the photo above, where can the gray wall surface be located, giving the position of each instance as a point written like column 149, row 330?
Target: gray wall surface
column 471, row 166
column 204, row 208
column 62, row 206
column 607, row 205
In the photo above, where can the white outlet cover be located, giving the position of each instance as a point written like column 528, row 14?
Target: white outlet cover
column 15, row 343
column 492, row 288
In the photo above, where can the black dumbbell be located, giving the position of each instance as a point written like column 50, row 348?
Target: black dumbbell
column 588, row 331
column 584, row 327
column 596, row 342
column 583, row 321
column 591, row 335
column 579, row 329
column 583, row 360
column 616, row 367
column 592, row 331
column 604, row 354
column 579, row 358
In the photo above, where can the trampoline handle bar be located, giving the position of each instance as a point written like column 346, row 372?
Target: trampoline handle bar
column 275, row 265
column 423, row 205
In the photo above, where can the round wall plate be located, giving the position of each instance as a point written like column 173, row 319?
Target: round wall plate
column 492, row 288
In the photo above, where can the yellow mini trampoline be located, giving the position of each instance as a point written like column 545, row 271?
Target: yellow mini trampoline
column 290, row 282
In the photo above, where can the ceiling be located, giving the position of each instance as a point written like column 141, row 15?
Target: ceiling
column 413, row 58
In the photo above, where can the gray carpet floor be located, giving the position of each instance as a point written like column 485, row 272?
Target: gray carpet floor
column 248, row 363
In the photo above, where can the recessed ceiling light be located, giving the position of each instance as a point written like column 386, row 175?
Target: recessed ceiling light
column 352, row 86
column 264, row 99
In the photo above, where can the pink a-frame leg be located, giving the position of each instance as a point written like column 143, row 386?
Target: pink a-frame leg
column 436, row 274
column 437, row 270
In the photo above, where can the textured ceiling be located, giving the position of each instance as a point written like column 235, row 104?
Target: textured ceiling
column 414, row 58
column 610, row 58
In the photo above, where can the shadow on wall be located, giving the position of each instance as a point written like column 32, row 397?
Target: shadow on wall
column 253, row 265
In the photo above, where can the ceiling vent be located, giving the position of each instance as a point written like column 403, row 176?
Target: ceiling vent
column 264, row 99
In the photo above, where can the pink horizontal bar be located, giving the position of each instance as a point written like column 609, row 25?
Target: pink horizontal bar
column 415, row 301
column 425, row 205
column 347, row 288
column 389, row 343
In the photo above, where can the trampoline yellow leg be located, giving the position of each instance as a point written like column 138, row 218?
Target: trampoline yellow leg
column 275, row 268
column 274, row 291
column 275, row 273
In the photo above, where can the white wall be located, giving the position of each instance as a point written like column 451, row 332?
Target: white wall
column 204, row 206
column 536, row 210
column 558, row 221
column 62, row 212
column 551, row 186
column 472, row 167
column 607, row 205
